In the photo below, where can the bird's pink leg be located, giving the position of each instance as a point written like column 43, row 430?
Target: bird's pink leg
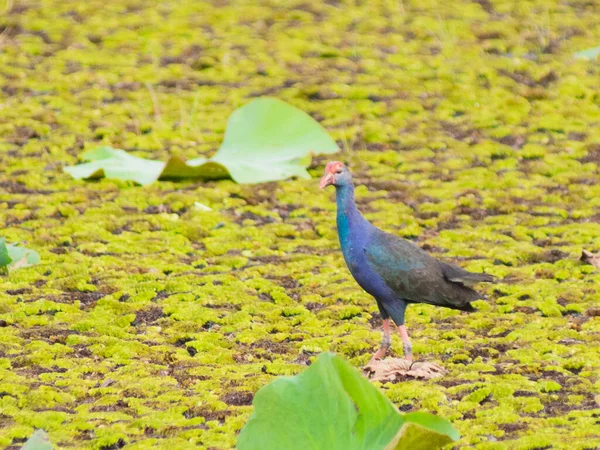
column 386, row 342
column 406, row 343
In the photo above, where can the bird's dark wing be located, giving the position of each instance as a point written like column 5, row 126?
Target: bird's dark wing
column 459, row 275
column 413, row 274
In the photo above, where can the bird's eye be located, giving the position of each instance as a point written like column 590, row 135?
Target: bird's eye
column 338, row 171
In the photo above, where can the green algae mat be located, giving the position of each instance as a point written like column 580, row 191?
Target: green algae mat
column 471, row 129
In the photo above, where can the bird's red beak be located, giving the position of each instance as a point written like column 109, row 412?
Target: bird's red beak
column 326, row 180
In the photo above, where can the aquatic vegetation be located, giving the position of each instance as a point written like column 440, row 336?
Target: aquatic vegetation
column 331, row 405
column 38, row 441
column 13, row 257
column 265, row 140
column 590, row 53
column 471, row 129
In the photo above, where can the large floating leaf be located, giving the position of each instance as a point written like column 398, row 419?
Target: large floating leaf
column 13, row 257
column 589, row 54
column 423, row 431
column 330, row 406
column 39, row 440
column 265, row 140
column 114, row 163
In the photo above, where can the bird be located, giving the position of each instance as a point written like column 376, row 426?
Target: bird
column 396, row 272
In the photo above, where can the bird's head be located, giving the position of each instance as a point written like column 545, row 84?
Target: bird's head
column 336, row 174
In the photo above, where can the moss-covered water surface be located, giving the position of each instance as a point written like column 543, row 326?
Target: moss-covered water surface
column 152, row 322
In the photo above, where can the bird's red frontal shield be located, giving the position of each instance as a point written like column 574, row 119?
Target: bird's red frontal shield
column 330, row 169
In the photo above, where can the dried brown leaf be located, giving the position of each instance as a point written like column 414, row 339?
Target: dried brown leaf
column 393, row 369
column 590, row 258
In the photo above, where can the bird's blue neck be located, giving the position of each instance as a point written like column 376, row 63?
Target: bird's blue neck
column 351, row 224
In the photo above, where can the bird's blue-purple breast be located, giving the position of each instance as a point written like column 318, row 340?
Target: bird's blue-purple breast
column 354, row 232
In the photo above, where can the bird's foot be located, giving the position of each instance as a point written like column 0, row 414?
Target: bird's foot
column 379, row 355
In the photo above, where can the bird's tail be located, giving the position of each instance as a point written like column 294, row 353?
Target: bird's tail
column 484, row 278
column 470, row 278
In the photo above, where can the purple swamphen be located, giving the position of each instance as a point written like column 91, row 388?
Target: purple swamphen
column 393, row 270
